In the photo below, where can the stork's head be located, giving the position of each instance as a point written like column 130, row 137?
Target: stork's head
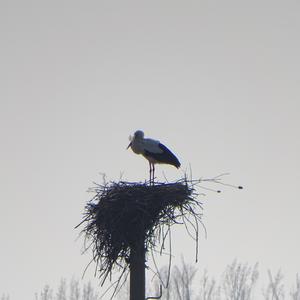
column 138, row 135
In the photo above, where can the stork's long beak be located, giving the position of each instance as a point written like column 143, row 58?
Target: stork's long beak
column 129, row 145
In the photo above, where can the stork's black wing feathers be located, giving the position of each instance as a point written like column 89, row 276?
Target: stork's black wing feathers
column 165, row 157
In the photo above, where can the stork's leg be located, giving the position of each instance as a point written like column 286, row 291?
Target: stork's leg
column 152, row 179
column 150, row 171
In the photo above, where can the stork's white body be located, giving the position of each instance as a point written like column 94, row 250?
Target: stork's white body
column 154, row 151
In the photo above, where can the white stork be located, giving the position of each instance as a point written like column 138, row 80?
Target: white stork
column 154, row 151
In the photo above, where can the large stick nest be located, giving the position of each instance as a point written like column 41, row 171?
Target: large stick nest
column 122, row 213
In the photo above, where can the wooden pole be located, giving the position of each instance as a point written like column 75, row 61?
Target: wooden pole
column 137, row 271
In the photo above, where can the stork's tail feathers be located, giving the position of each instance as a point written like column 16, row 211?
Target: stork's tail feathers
column 178, row 164
column 164, row 157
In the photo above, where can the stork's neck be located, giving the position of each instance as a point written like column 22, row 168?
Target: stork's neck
column 137, row 145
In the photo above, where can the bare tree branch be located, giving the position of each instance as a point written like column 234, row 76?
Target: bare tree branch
column 275, row 288
column 295, row 293
column 239, row 281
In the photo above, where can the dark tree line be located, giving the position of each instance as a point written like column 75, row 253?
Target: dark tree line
column 238, row 282
column 68, row 291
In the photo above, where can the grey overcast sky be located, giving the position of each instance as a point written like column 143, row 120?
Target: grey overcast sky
column 216, row 81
